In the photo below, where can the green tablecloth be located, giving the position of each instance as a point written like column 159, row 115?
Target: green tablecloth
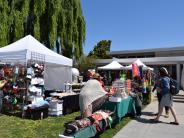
column 86, row 133
column 120, row 109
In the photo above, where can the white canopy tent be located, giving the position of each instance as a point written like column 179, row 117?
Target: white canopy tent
column 139, row 63
column 114, row 65
column 57, row 67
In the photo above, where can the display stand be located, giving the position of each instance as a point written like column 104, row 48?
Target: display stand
column 18, row 78
column 35, row 87
column 15, row 88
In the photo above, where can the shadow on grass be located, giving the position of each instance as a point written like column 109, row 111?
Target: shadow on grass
column 15, row 113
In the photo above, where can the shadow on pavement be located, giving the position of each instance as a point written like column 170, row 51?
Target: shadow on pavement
column 142, row 120
column 148, row 113
column 148, row 121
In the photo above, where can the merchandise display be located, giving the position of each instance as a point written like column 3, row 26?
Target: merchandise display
column 15, row 88
column 62, row 103
column 24, row 88
column 94, row 119
column 35, row 92
column 63, row 94
column 127, row 91
column 110, row 113
column 119, row 88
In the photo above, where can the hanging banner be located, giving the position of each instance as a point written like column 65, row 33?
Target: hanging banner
column 135, row 70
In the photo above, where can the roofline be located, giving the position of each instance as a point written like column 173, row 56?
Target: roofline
column 147, row 50
column 147, row 61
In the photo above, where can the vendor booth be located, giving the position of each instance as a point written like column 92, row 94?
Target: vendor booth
column 29, row 69
column 111, row 71
column 114, row 65
column 57, row 67
column 142, row 80
column 112, row 113
column 99, row 109
column 126, row 95
column 138, row 62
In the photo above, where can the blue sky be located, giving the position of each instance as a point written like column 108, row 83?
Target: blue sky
column 134, row 24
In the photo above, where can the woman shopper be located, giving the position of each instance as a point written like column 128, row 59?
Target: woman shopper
column 91, row 97
column 167, row 98
column 159, row 97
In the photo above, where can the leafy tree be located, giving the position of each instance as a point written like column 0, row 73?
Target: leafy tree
column 84, row 63
column 101, row 50
column 46, row 20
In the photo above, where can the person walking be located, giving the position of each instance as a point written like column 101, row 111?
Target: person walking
column 167, row 98
column 159, row 97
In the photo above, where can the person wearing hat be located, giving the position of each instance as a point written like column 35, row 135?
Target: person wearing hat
column 159, row 97
column 167, row 98
column 92, row 96
column 99, row 78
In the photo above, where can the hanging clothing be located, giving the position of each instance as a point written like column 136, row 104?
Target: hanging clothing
column 141, row 71
column 135, row 70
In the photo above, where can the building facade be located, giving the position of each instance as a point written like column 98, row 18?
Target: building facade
column 171, row 58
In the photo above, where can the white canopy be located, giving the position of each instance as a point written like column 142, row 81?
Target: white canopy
column 22, row 49
column 114, row 65
column 57, row 67
column 139, row 63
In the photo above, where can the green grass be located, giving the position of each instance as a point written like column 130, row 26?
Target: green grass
column 109, row 133
column 51, row 127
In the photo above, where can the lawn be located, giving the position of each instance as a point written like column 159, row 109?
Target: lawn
column 15, row 127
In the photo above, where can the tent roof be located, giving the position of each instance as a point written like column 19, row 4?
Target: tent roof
column 139, row 63
column 22, row 49
column 114, row 65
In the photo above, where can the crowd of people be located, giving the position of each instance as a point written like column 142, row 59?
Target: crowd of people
column 93, row 95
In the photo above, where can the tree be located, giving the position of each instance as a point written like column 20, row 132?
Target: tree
column 49, row 21
column 101, row 50
column 84, row 63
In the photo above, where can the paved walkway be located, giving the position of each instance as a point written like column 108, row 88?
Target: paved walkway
column 143, row 128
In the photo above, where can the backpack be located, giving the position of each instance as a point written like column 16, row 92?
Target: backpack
column 174, row 87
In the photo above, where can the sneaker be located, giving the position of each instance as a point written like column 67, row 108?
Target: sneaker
column 155, row 121
column 174, row 123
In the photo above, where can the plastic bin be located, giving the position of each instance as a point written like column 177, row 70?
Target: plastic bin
column 37, row 113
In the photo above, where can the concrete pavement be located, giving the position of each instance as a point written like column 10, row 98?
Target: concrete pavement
column 144, row 128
